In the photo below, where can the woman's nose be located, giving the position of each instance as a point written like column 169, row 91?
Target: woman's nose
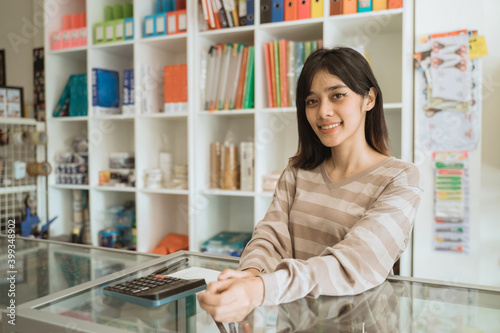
column 325, row 110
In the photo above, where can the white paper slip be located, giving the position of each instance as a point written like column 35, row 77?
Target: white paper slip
column 209, row 275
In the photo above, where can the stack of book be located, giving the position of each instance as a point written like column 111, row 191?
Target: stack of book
column 228, row 13
column 229, row 77
column 284, row 60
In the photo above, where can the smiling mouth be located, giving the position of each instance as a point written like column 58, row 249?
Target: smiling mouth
column 330, row 126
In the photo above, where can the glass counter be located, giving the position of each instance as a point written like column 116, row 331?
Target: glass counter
column 398, row 305
column 44, row 267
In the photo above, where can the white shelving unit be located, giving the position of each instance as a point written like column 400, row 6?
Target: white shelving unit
column 200, row 212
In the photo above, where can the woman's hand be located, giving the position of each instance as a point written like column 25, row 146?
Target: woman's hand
column 231, row 299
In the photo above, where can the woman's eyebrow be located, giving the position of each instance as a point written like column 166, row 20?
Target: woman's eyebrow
column 339, row 86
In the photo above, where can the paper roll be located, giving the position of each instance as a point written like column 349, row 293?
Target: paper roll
column 230, row 174
column 215, row 165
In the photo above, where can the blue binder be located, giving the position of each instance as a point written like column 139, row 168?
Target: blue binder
column 250, row 12
column 277, row 11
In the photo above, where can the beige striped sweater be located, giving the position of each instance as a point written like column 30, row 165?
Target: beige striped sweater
column 325, row 238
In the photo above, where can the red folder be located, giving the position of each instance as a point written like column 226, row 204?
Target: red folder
column 291, row 10
column 304, row 11
column 336, row 7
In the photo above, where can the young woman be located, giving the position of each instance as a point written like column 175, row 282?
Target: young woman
column 343, row 209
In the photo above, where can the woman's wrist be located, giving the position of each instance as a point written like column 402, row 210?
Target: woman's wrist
column 258, row 291
column 252, row 271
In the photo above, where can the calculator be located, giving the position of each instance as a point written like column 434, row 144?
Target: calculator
column 155, row 289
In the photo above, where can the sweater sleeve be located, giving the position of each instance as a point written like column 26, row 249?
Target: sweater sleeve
column 363, row 259
column 271, row 241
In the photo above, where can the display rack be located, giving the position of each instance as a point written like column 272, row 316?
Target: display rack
column 200, row 212
column 13, row 192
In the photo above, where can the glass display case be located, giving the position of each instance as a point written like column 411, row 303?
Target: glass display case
column 400, row 304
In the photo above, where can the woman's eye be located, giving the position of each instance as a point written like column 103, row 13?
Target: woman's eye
column 337, row 96
column 310, row 102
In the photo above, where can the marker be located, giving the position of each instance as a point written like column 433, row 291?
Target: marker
column 450, row 230
column 441, row 165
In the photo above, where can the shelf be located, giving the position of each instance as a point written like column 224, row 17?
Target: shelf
column 265, row 194
column 237, row 193
column 114, row 189
column 70, row 187
column 227, row 112
column 164, row 115
column 167, row 43
column 69, row 119
column 291, row 109
column 227, row 31
column 18, row 121
column 118, row 48
column 391, row 106
column 17, row 189
column 114, row 117
column 75, row 54
column 165, row 191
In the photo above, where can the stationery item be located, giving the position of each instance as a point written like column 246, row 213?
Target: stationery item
column 99, row 33
column 128, row 97
column 182, row 20
column 350, row 6
column 277, row 10
column 226, row 58
column 316, row 8
column 149, row 26
column 152, row 88
column 379, row 5
column 336, row 7
column 242, row 12
column 241, row 81
column 128, row 28
column 392, row 4
column 274, row 85
column 248, row 97
column 227, row 243
column 291, row 64
column 304, row 9
column 277, row 73
column 265, row 11
column 230, row 170
column 270, row 86
column 451, row 201
column 217, row 78
column 283, row 73
column 109, row 27
column 160, row 24
column 250, row 12
column 364, row 6
column 238, row 54
column 291, row 10
column 105, row 91
column 215, row 165
column 247, row 166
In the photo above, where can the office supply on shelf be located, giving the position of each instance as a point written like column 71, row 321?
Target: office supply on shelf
column 105, row 91
column 304, row 9
column 350, row 6
column 392, row 4
column 336, row 7
column 316, row 8
column 250, row 12
column 379, row 5
column 277, row 10
column 291, row 10
column 364, row 6
column 265, row 11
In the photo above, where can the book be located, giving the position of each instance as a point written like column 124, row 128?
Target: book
column 248, row 99
column 62, row 106
column 238, row 104
column 268, row 75
column 283, row 73
column 277, row 72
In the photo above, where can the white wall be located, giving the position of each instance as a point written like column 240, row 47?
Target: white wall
column 481, row 266
column 21, row 31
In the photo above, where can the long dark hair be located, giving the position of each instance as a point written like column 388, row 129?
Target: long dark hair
column 353, row 69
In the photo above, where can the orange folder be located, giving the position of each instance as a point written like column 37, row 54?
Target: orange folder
column 267, row 57
column 391, row 4
column 304, row 9
column 238, row 104
column 350, row 7
column 291, row 10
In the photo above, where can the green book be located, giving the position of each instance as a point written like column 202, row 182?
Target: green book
column 248, row 92
column 277, row 66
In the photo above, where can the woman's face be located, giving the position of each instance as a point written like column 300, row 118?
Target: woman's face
column 335, row 112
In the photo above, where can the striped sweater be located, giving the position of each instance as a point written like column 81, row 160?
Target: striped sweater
column 325, row 238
